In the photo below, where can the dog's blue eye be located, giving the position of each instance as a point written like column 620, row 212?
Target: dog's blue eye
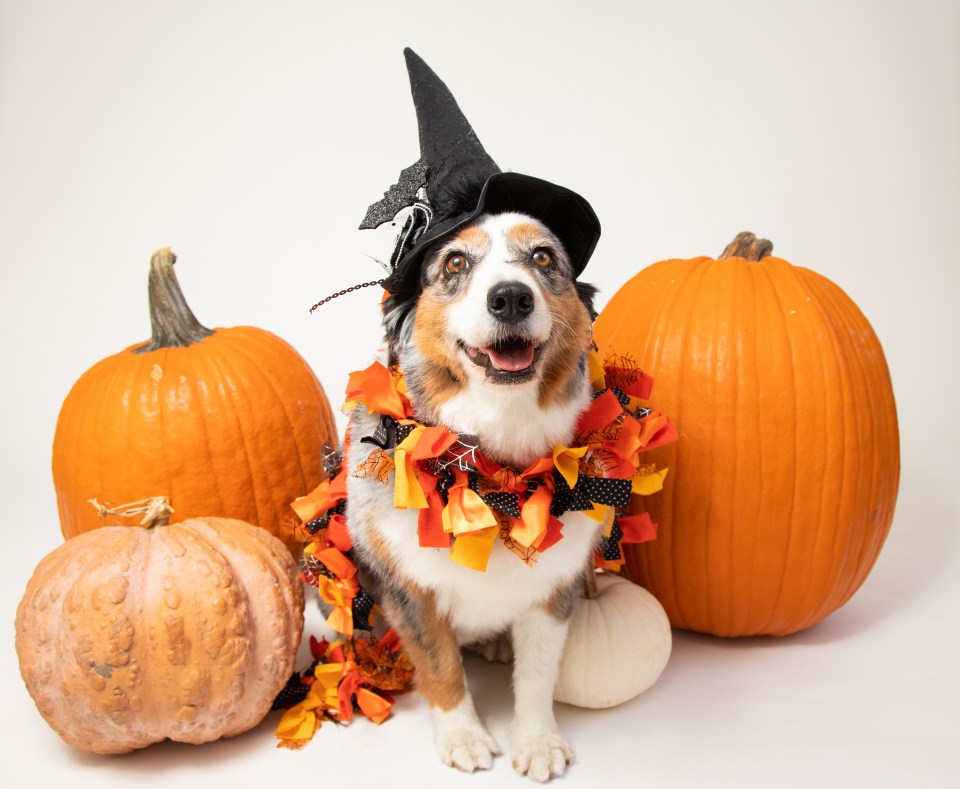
column 456, row 263
column 542, row 258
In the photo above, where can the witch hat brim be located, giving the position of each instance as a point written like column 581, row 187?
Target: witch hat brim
column 461, row 182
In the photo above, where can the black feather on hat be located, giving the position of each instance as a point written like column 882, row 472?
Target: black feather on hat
column 455, row 180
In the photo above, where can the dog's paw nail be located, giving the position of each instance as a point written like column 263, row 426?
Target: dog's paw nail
column 468, row 750
column 542, row 758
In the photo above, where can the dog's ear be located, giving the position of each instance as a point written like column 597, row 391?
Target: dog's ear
column 586, row 292
column 397, row 323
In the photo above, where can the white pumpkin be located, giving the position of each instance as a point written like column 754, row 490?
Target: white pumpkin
column 618, row 645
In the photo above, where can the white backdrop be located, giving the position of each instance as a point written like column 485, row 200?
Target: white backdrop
column 251, row 137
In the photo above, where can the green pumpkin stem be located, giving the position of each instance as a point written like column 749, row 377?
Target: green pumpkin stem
column 173, row 324
column 747, row 246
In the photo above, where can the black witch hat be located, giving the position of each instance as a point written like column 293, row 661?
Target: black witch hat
column 455, row 180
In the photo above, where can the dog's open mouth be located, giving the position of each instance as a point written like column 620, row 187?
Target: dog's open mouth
column 510, row 360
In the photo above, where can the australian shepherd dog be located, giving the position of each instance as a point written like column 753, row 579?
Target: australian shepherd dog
column 494, row 346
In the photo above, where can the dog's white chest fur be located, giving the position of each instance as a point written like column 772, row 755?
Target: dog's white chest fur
column 478, row 603
column 513, row 425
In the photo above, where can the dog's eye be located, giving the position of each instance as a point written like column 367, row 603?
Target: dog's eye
column 456, row 263
column 542, row 258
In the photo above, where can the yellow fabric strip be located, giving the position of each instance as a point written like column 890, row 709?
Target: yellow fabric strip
column 407, row 492
column 473, row 550
column 567, row 461
column 648, row 480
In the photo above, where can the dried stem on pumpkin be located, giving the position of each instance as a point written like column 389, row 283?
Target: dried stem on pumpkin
column 747, row 246
column 172, row 322
column 156, row 510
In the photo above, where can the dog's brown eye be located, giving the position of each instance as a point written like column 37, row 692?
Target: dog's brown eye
column 456, row 263
column 541, row 257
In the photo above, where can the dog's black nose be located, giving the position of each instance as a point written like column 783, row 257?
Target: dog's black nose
column 510, row 302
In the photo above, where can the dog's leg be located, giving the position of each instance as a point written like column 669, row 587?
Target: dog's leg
column 460, row 738
column 539, row 750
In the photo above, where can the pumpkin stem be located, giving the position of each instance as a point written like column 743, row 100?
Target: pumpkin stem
column 747, row 246
column 156, row 511
column 173, row 324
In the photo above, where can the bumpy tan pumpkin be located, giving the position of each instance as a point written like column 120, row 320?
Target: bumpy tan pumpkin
column 129, row 636
column 618, row 645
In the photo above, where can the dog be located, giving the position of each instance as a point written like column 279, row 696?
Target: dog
column 495, row 346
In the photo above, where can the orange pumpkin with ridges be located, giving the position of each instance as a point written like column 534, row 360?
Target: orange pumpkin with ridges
column 783, row 482
column 229, row 422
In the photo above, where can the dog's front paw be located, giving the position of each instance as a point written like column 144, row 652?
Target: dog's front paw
column 541, row 756
column 467, row 749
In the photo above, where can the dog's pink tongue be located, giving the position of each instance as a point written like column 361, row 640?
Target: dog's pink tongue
column 511, row 359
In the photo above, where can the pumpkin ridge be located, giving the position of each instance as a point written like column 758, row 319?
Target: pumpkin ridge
column 710, row 269
column 87, row 585
column 838, row 509
column 201, row 406
column 776, row 282
column 745, row 307
column 808, row 599
column 257, row 473
column 703, row 307
column 55, row 638
column 245, row 667
column 869, row 538
column 687, row 280
column 167, row 484
column 833, row 508
column 875, row 373
column 224, row 371
column 254, row 567
column 65, row 464
column 836, row 383
column 113, row 374
column 758, row 274
column 199, row 644
column 281, row 401
column 140, row 557
column 309, row 390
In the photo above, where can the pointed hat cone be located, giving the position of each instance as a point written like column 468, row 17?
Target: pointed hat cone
column 456, row 161
column 462, row 182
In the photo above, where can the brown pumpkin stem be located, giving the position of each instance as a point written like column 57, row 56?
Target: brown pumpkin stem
column 747, row 246
column 172, row 322
column 156, row 511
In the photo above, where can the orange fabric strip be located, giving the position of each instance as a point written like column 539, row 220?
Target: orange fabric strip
column 314, row 503
column 601, row 413
column 375, row 388
column 533, row 518
column 433, row 442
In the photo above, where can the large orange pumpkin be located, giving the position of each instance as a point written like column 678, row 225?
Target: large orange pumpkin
column 229, row 422
column 783, row 482
column 129, row 636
